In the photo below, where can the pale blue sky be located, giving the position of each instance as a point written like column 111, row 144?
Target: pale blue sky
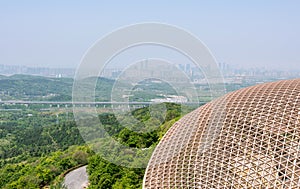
column 55, row 33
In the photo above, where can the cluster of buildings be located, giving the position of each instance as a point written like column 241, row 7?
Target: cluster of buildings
column 39, row 71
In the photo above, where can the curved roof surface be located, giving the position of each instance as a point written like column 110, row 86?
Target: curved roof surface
column 247, row 139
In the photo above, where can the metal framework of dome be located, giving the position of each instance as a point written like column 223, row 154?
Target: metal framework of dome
column 247, row 139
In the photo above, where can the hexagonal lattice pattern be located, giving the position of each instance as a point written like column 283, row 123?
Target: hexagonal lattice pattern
column 247, row 139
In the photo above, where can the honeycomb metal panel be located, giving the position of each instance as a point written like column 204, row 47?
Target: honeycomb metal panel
column 247, row 139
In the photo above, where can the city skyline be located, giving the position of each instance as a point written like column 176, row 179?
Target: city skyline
column 230, row 73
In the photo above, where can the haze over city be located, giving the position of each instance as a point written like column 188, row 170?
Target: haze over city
column 244, row 34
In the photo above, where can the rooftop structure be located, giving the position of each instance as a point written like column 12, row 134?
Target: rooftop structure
column 247, row 139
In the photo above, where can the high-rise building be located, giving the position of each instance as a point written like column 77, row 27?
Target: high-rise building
column 247, row 139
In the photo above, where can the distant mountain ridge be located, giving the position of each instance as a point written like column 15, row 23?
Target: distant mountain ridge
column 28, row 87
column 39, row 88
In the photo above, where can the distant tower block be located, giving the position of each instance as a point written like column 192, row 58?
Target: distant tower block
column 247, row 139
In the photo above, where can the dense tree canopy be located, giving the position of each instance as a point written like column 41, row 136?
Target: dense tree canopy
column 37, row 147
column 104, row 174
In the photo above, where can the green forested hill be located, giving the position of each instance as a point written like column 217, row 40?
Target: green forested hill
column 38, row 88
column 104, row 174
column 36, row 149
column 26, row 87
column 27, row 134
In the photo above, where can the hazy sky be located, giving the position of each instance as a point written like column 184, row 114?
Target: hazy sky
column 253, row 33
